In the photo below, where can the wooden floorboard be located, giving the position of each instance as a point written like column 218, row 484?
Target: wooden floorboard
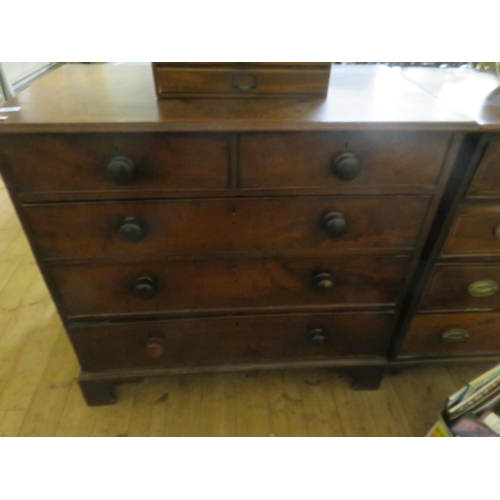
column 40, row 396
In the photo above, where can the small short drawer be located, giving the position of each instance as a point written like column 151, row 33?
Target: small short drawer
column 230, row 340
column 452, row 334
column 315, row 224
column 341, row 160
column 172, row 287
column 457, row 287
column 116, row 164
column 475, row 231
column 241, row 80
column 486, row 181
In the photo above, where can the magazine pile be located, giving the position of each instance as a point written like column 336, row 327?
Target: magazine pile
column 473, row 411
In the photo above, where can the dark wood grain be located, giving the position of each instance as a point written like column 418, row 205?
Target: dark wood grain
column 424, row 336
column 261, row 225
column 486, row 182
column 474, row 231
column 76, row 163
column 448, row 287
column 305, row 160
column 218, row 341
column 228, row 284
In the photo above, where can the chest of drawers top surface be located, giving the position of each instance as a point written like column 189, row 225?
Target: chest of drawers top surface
column 82, row 98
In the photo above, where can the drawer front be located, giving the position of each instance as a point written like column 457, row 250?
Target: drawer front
column 452, row 334
column 224, row 341
column 231, row 82
column 341, row 161
column 245, row 284
column 463, row 287
column 486, row 182
column 259, row 225
column 76, row 163
column 475, row 231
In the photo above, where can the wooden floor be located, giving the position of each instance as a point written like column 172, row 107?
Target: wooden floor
column 39, row 395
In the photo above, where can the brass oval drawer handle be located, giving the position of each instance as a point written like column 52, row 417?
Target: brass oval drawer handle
column 482, row 288
column 316, row 335
column 131, row 230
column 346, row 167
column 497, row 232
column 455, row 335
column 120, row 170
column 323, row 281
column 244, row 82
column 334, row 224
column 145, row 287
column 155, row 347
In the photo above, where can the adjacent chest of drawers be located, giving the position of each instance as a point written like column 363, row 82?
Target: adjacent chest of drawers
column 199, row 236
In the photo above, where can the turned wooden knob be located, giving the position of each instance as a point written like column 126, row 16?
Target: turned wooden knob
column 316, row 335
column 145, row 287
column 120, row 170
column 155, row 347
column 346, row 167
column 323, row 281
column 334, row 224
column 131, row 230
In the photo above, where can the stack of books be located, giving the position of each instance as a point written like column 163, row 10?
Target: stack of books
column 474, row 410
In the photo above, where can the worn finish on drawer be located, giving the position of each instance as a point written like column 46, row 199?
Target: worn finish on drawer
column 452, row 334
column 230, row 340
column 475, row 231
column 233, row 225
column 231, row 81
column 313, row 160
column 463, row 287
column 486, row 181
column 245, row 284
column 65, row 163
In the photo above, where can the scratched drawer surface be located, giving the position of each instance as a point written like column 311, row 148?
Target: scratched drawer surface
column 475, row 231
column 316, row 224
column 452, row 334
column 341, row 160
column 228, row 340
column 115, row 163
column 457, row 287
column 226, row 284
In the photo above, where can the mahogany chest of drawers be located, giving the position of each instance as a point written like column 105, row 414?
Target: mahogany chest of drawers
column 199, row 235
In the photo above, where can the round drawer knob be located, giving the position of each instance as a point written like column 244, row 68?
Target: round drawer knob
column 346, row 167
column 323, row 281
column 145, row 287
column 316, row 336
column 482, row 288
column 334, row 224
column 120, row 170
column 131, row 230
column 155, row 347
column 455, row 335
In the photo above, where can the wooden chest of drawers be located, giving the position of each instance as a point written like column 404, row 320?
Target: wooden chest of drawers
column 181, row 236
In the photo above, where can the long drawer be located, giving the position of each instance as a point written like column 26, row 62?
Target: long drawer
column 452, row 334
column 233, row 225
column 341, row 160
column 475, row 231
column 230, row 340
column 457, row 287
column 109, row 163
column 227, row 284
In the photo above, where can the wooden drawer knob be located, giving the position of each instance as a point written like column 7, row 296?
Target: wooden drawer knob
column 323, row 281
column 455, row 335
column 346, row 167
column 334, row 224
column 120, row 170
column 316, row 336
column 155, row 348
column 483, row 288
column 145, row 287
column 131, row 230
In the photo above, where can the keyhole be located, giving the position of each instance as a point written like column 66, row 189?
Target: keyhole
column 233, row 211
